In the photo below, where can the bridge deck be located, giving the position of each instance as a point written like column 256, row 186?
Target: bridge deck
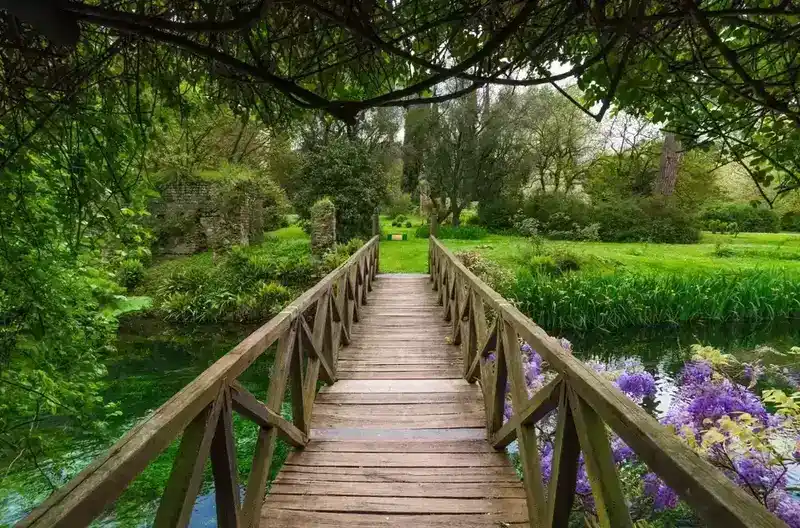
column 400, row 439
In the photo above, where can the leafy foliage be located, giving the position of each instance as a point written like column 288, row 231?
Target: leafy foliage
column 747, row 218
column 626, row 299
column 349, row 174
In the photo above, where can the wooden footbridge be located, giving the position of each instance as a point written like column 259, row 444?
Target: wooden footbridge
column 408, row 429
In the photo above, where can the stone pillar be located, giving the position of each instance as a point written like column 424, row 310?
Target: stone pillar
column 323, row 226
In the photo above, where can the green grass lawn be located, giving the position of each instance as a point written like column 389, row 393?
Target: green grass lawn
column 745, row 251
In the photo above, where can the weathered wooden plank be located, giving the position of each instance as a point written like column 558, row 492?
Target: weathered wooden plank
column 186, row 476
column 400, row 489
column 526, row 434
column 265, row 443
column 391, row 411
column 394, row 386
column 401, row 474
column 397, row 398
column 541, row 403
column 223, row 467
column 278, row 518
column 564, row 468
column 394, row 504
column 612, row 508
column 248, row 406
column 406, row 460
column 309, row 345
column 401, row 446
column 424, row 421
column 391, row 434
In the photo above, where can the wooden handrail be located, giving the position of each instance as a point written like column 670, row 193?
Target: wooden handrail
column 201, row 413
column 587, row 405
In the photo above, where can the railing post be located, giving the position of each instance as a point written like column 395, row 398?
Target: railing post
column 434, row 223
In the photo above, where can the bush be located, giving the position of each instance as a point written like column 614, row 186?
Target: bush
column 130, row 273
column 749, row 219
column 497, row 215
column 557, row 212
column 645, row 220
column 496, row 276
column 408, row 223
column 791, row 221
column 456, row 233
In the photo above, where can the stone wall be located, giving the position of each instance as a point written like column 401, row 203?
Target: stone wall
column 195, row 216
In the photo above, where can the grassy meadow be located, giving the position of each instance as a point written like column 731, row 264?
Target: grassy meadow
column 567, row 285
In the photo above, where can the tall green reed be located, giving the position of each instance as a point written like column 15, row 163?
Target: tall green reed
column 583, row 301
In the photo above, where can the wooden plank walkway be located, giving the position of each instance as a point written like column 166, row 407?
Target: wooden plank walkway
column 399, row 439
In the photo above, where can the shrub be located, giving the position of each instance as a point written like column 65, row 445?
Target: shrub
column 399, row 219
column 496, row 276
column 497, row 214
column 557, row 212
column 749, row 219
column 130, row 273
column 645, row 220
column 791, row 221
column 456, row 233
column 408, row 223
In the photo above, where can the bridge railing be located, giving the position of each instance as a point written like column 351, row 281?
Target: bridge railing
column 308, row 332
column 587, row 406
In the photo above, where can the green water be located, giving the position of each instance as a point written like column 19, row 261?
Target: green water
column 155, row 360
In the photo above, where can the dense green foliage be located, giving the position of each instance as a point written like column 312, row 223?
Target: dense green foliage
column 248, row 284
column 747, row 218
column 584, row 301
column 348, row 173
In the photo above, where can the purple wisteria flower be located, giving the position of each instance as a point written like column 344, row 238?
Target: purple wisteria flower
column 663, row 496
column 695, row 373
column 637, row 385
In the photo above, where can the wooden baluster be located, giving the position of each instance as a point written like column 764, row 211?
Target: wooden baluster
column 455, row 309
column 353, row 292
column 466, row 333
column 223, row 466
column 526, row 433
column 265, row 444
column 323, row 333
column 298, row 379
column 477, row 334
column 475, row 370
column 339, row 305
column 362, row 278
column 606, row 488
column 309, row 384
column 564, row 468
column 186, row 476
column 442, row 297
column 497, row 395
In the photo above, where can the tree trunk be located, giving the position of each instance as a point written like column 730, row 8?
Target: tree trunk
column 456, row 212
column 670, row 163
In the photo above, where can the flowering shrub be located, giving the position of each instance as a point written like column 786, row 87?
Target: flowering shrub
column 715, row 411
